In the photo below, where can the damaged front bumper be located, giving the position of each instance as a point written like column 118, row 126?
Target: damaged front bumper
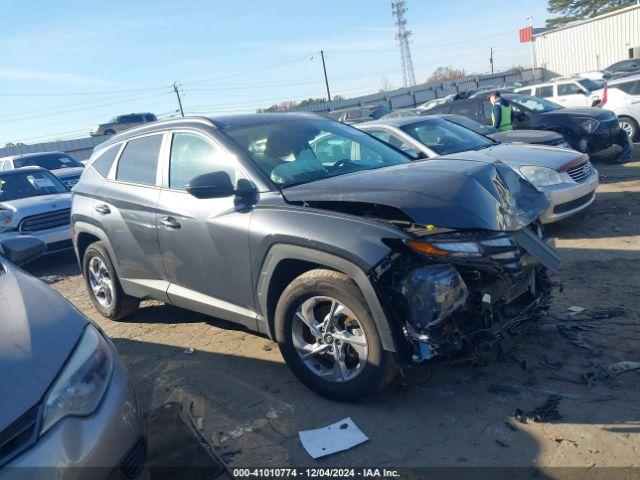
column 454, row 303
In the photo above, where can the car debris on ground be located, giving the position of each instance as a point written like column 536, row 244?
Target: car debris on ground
column 334, row 438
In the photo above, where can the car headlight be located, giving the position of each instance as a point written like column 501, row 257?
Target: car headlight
column 5, row 220
column 446, row 248
column 432, row 294
column 588, row 125
column 541, row 176
column 83, row 381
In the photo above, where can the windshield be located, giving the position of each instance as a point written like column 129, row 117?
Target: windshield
column 50, row 162
column 304, row 150
column 445, row 137
column 16, row 185
column 533, row 104
column 471, row 124
column 590, row 85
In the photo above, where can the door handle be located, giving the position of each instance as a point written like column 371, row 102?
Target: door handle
column 103, row 209
column 170, row 222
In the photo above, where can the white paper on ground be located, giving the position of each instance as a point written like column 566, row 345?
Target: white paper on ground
column 334, row 438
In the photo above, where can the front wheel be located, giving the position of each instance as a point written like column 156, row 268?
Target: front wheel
column 328, row 337
column 630, row 126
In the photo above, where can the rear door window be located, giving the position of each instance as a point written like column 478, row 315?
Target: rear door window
column 544, row 92
column 139, row 160
column 469, row 109
column 569, row 89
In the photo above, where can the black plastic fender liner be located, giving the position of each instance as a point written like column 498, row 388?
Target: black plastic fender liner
column 281, row 252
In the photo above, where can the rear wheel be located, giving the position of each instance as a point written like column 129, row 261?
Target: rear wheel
column 328, row 337
column 103, row 285
column 630, row 126
column 109, row 132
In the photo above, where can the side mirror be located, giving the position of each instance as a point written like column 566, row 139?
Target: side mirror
column 218, row 185
column 22, row 249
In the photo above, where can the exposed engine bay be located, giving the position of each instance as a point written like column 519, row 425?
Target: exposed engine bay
column 463, row 291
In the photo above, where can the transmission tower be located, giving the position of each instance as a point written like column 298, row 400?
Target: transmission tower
column 399, row 8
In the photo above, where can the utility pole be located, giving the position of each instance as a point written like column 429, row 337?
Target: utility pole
column 402, row 36
column 326, row 80
column 175, row 89
column 491, row 59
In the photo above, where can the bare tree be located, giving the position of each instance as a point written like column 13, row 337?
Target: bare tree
column 444, row 74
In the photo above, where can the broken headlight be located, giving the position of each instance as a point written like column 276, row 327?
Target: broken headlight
column 432, row 294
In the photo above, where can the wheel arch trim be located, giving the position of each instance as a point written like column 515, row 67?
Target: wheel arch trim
column 283, row 252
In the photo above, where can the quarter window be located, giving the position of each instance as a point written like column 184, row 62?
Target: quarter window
column 139, row 160
column 193, row 155
column 104, row 161
column 631, row 88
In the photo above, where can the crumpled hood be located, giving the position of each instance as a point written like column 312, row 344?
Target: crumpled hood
column 526, row 136
column 598, row 113
column 39, row 329
column 450, row 193
column 516, row 155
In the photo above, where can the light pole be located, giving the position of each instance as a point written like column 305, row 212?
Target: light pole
column 533, row 49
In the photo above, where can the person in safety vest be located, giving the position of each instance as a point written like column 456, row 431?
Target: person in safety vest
column 500, row 113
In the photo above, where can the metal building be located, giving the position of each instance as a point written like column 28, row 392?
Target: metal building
column 591, row 44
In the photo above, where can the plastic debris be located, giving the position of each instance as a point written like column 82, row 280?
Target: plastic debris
column 189, row 351
column 573, row 309
column 606, row 314
column 621, row 367
column 334, row 438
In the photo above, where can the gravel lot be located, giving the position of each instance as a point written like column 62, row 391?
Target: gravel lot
column 251, row 407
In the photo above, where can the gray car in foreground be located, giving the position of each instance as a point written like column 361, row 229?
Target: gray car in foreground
column 566, row 176
column 354, row 258
column 34, row 202
column 67, row 406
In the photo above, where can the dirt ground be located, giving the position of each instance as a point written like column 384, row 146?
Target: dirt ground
column 457, row 415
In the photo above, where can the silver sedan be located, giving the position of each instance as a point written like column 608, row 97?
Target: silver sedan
column 566, row 176
column 66, row 399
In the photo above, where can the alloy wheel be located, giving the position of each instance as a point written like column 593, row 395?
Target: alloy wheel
column 627, row 127
column 100, row 282
column 329, row 339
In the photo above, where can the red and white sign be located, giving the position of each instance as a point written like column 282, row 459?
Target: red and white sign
column 526, row 34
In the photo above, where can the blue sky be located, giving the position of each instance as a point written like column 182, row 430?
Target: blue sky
column 67, row 65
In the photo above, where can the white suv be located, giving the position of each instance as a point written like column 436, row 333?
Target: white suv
column 622, row 96
column 568, row 92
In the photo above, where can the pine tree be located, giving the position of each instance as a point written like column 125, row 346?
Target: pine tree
column 572, row 10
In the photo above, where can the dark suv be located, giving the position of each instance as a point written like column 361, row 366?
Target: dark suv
column 587, row 129
column 354, row 258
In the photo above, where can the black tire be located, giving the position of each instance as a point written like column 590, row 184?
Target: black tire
column 631, row 127
column 122, row 305
column 379, row 368
column 109, row 132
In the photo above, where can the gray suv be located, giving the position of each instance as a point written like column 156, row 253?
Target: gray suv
column 355, row 259
column 121, row 123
